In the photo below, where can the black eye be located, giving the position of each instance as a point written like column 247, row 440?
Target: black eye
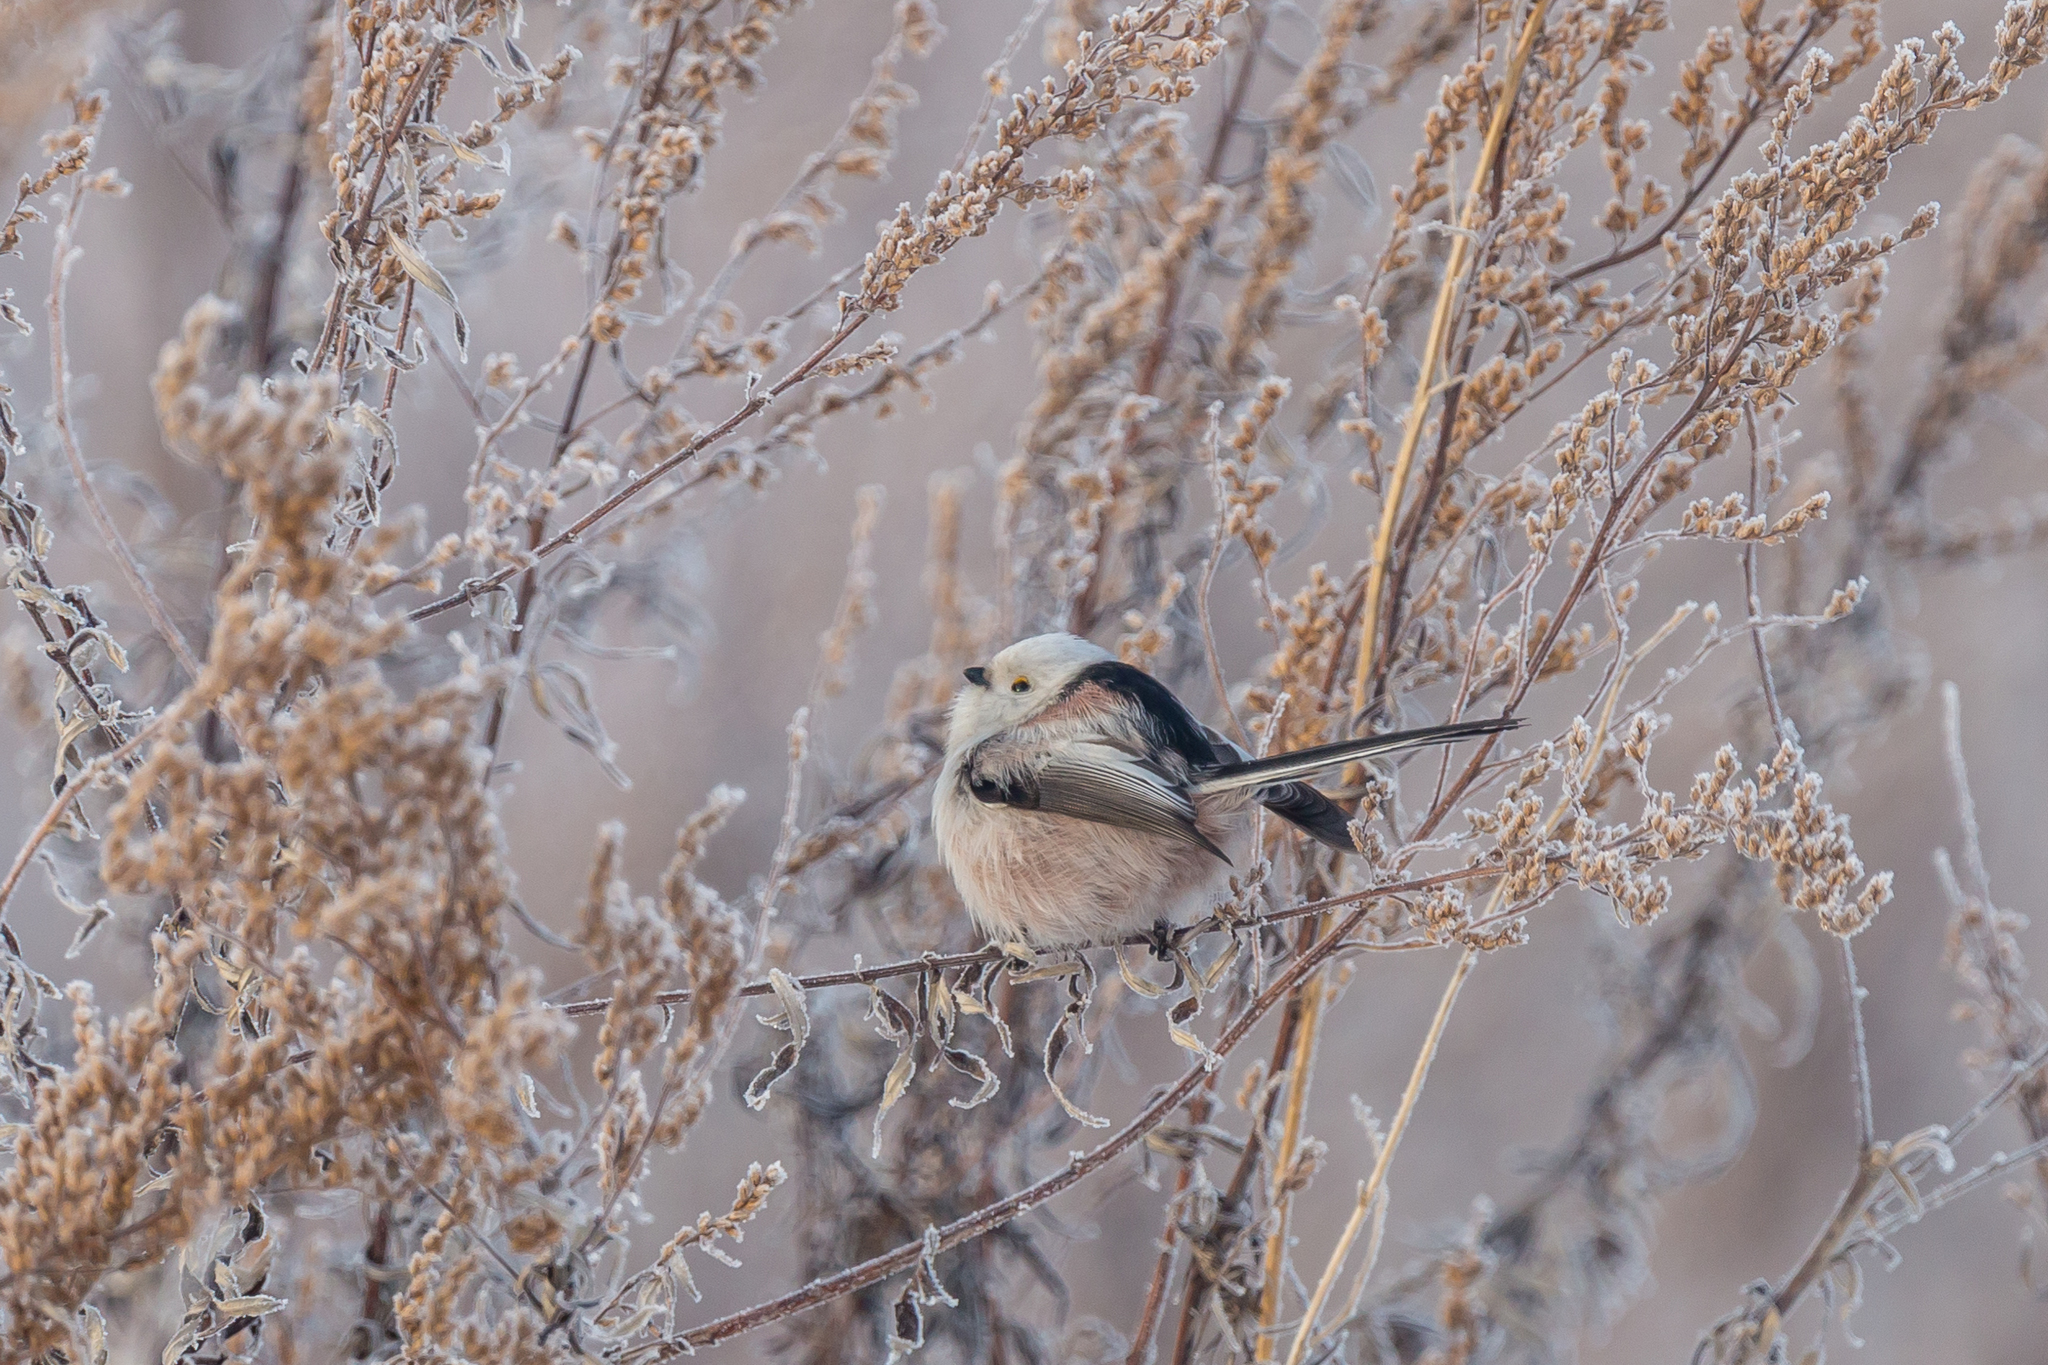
column 1021, row 685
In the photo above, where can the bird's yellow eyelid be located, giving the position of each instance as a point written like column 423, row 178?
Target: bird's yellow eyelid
column 1020, row 683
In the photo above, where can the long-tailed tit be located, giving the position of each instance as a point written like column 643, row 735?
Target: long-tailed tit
column 1081, row 803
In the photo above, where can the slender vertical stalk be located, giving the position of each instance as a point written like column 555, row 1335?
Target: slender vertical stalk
column 1300, row 1070
column 1369, row 1192
column 1432, row 357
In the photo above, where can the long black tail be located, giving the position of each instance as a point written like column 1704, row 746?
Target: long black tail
column 1261, row 772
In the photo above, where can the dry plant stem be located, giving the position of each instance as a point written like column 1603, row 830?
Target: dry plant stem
column 1755, row 599
column 1212, row 170
column 940, row 962
column 1432, row 357
column 1870, row 1170
column 1142, row 1350
column 996, row 79
column 62, row 254
column 1300, row 1072
column 78, row 783
column 1213, row 442
column 331, row 334
column 1858, row 1204
column 270, row 283
column 1472, row 600
column 1962, row 1185
column 566, row 428
column 1866, row 1120
column 1198, row 1285
column 1369, row 1192
column 2018, row 1017
column 633, row 487
column 536, row 532
column 993, row 1216
column 404, row 328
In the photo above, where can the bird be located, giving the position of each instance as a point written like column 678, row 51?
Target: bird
column 1080, row 803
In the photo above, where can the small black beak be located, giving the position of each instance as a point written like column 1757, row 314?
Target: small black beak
column 978, row 676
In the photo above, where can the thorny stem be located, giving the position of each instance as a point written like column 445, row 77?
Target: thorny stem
column 1369, row 1192
column 1432, row 357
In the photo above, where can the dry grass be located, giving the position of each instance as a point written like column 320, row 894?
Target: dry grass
column 349, row 1120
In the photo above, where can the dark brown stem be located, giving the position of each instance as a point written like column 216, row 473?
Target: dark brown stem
column 264, row 302
column 1610, row 525
column 404, row 326
column 1869, row 1171
column 1420, row 517
column 358, row 231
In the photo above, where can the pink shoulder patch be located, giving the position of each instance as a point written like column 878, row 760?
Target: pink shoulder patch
column 1089, row 701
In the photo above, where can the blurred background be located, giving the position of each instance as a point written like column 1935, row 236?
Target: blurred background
column 753, row 582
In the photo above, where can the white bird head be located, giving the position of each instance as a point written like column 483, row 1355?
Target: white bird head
column 1018, row 683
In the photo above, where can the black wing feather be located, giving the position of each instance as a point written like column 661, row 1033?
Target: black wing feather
column 1160, row 712
column 1311, row 812
column 1302, row 762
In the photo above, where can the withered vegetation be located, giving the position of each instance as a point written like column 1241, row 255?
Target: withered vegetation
column 1550, row 380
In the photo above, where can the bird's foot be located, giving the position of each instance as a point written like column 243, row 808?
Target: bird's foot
column 1163, row 940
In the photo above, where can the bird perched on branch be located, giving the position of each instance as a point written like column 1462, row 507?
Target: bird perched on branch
column 1080, row 802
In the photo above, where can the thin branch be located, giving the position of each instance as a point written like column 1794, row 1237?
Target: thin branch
column 632, row 488
column 62, row 254
column 942, row 962
column 1866, row 1123
column 1300, row 1072
column 1749, row 584
column 82, row 779
column 1962, row 1185
column 1369, row 1192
